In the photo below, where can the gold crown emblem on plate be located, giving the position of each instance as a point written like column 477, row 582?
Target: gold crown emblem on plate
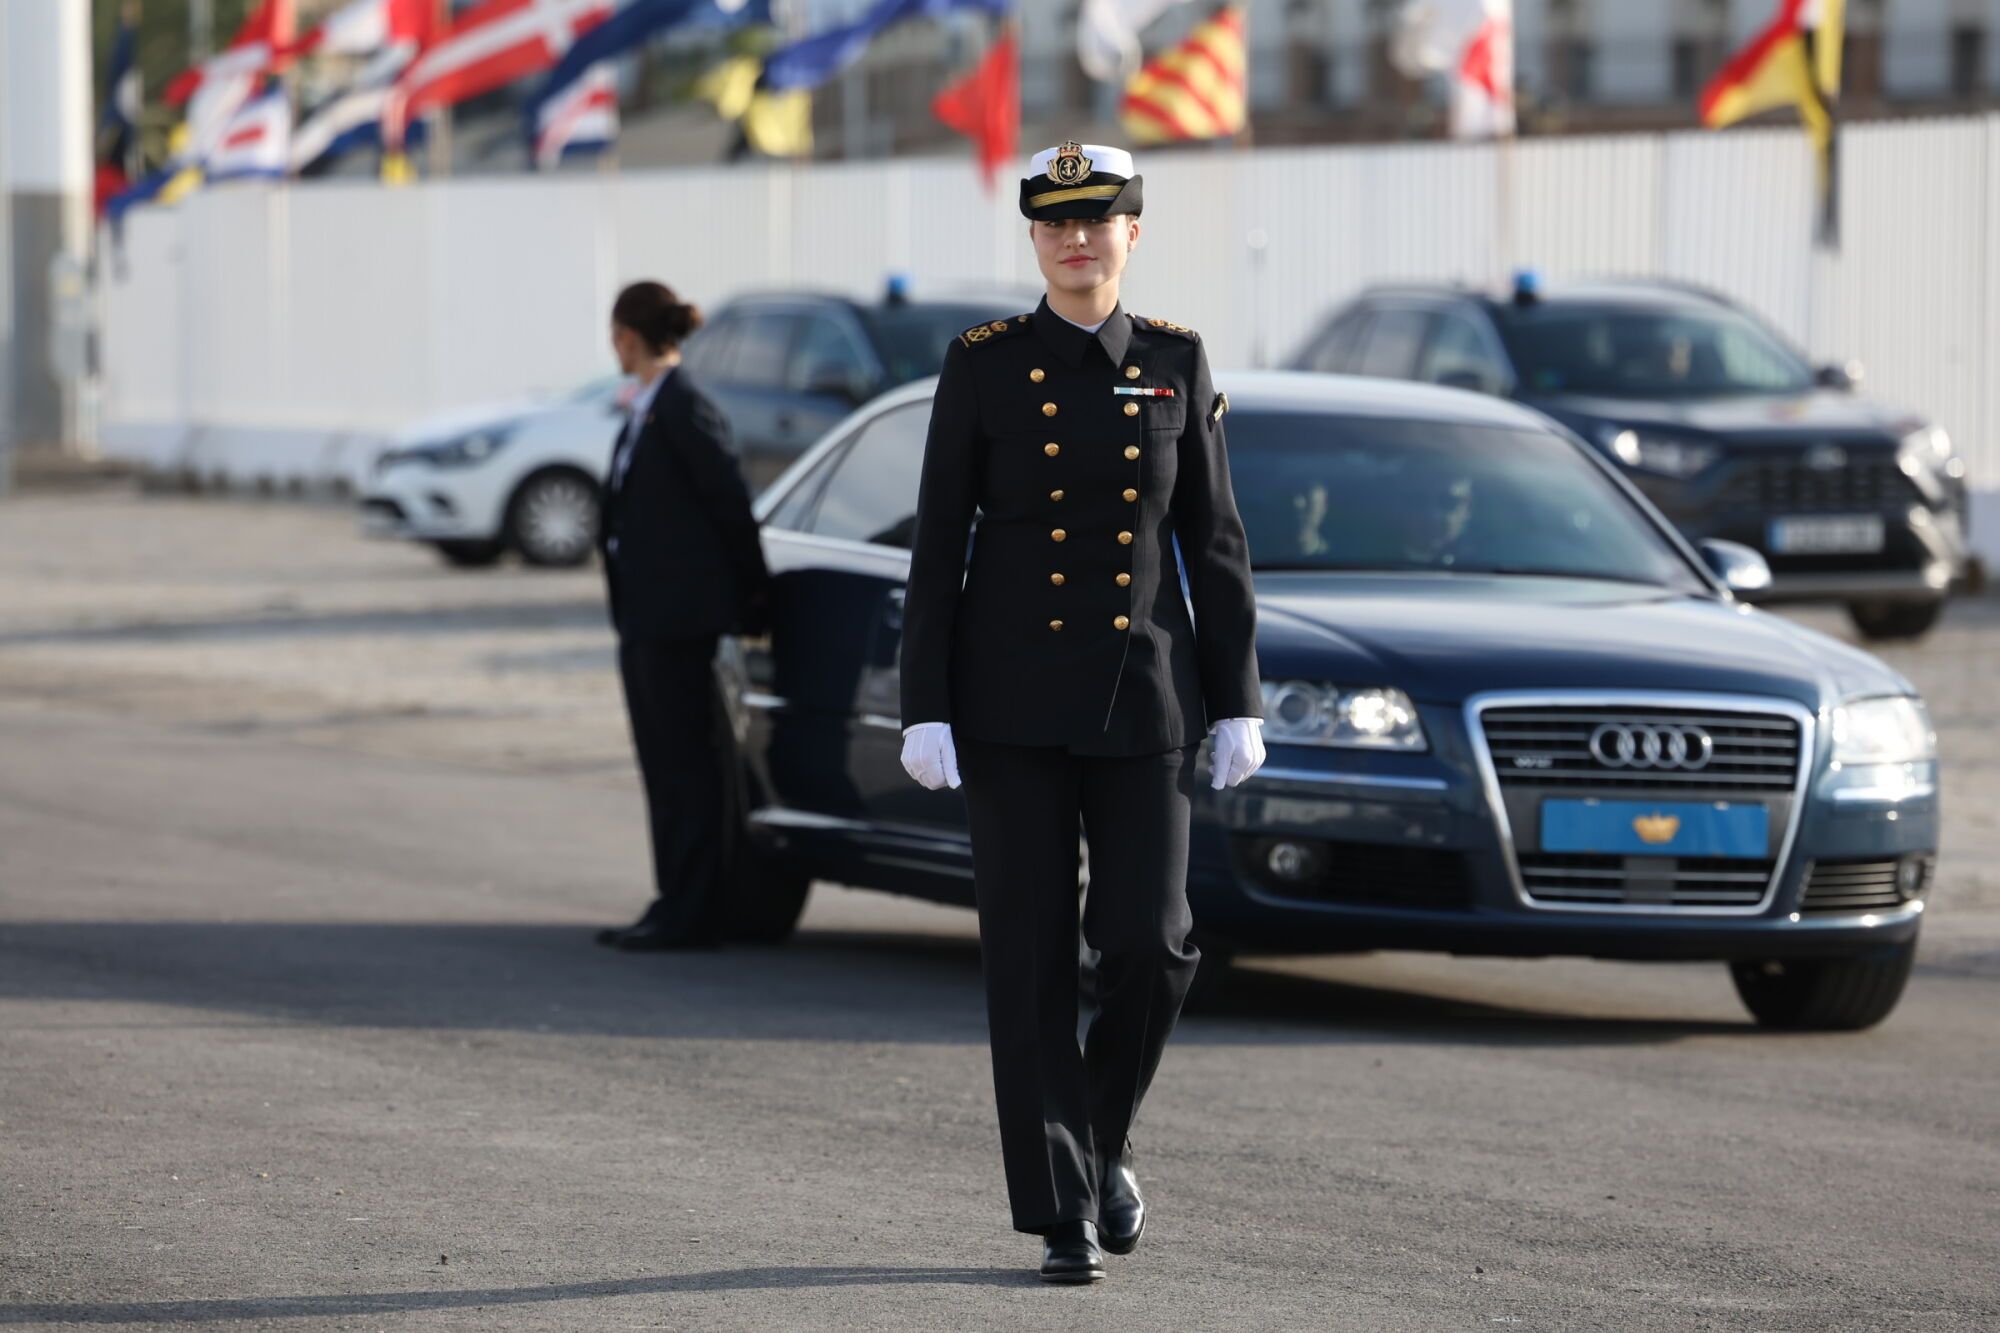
column 1656, row 828
column 1069, row 165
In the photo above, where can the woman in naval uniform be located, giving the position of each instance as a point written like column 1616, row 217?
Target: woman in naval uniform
column 1057, row 669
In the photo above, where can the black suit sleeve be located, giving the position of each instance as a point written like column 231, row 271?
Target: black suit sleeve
column 718, row 484
column 945, row 503
column 1217, row 558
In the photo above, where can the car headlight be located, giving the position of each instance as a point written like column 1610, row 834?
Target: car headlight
column 1895, row 730
column 1926, row 453
column 1659, row 453
column 461, row 451
column 1304, row 712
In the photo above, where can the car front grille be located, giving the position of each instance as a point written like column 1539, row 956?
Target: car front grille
column 1856, row 886
column 1785, row 485
column 1551, row 747
column 1644, row 881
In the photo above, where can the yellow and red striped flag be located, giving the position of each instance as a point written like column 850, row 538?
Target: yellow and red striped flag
column 1193, row 91
column 1793, row 62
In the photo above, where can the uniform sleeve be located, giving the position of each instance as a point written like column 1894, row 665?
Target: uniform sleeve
column 718, row 481
column 945, row 502
column 1217, row 558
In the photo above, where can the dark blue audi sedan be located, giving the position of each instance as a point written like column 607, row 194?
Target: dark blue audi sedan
column 1510, row 711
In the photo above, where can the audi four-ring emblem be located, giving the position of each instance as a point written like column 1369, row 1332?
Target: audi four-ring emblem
column 1651, row 745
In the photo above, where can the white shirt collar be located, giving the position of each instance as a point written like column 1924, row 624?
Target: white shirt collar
column 642, row 401
column 1087, row 328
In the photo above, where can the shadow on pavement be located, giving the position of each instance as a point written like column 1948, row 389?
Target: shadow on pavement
column 582, row 613
column 825, row 985
column 395, row 1302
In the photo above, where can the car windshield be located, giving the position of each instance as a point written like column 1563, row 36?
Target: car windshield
column 1637, row 353
column 1321, row 492
column 912, row 338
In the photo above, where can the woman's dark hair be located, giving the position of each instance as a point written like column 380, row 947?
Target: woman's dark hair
column 651, row 310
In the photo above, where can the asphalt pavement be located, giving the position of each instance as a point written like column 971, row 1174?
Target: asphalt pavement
column 302, row 840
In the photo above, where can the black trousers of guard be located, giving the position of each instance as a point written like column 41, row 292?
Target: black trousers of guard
column 670, row 698
column 1065, row 1109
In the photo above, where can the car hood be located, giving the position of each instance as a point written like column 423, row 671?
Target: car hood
column 1776, row 419
column 451, row 424
column 1445, row 637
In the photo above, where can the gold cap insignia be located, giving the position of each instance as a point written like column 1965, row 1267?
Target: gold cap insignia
column 1069, row 165
column 1656, row 828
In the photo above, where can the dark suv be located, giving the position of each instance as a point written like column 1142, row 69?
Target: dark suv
column 786, row 366
column 1712, row 414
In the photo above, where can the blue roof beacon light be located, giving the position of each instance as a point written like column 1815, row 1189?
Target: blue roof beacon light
column 898, row 290
column 1527, row 287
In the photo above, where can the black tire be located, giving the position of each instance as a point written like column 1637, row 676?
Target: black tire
column 471, row 555
column 1894, row 620
column 1825, row 994
column 552, row 519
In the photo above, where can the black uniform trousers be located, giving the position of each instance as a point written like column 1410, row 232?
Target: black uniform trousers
column 670, row 698
column 1064, row 1109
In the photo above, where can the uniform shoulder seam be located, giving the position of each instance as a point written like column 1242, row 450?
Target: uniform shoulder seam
column 987, row 332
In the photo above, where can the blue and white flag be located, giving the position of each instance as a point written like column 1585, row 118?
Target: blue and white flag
column 812, row 61
column 121, row 107
column 627, row 28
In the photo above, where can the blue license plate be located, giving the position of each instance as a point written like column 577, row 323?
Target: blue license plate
column 1656, row 828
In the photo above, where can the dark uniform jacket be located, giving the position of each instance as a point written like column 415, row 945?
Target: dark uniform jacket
column 681, row 554
column 1067, row 625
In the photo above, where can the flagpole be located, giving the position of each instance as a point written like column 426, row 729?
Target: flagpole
column 439, row 153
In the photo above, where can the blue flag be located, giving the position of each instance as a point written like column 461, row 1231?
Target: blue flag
column 812, row 61
column 630, row 26
column 121, row 104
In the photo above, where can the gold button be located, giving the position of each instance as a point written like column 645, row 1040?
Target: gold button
column 1036, row 375
column 1124, row 539
column 1120, row 623
column 1131, row 372
column 1130, row 495
column 1124, row 580
column 1131, row 451
column 1049, row 409
column 1057, row 535
column 1055, row 624
column 1131, row 409
column 1056, row 579
column 1051, row 449
column 1055, row 495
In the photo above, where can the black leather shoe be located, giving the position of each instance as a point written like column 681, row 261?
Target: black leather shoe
column 1121, row 1210
column 1070, row 1253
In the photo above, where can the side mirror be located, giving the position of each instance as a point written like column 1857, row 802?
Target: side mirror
column 1842, row 376
column 1740, row 569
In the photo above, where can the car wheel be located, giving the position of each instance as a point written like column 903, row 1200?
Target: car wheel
column 1894, row 620
column 1825, row 994
column 553, row 519
column 766, row 897
column 471, row 555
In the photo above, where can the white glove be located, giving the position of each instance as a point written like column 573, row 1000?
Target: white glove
column 1239, row 750
column 930, row 757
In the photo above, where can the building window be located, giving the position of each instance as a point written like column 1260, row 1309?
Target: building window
column 1968, row 61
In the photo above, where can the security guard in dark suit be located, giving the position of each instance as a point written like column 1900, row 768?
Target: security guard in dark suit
column 1058, row 667
column 683, row 565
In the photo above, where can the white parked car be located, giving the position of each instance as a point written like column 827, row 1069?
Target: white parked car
column 521, row 476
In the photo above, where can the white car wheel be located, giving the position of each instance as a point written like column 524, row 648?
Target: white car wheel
column 554, row 519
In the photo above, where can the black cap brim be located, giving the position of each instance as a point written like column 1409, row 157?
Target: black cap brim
column 1096, row 196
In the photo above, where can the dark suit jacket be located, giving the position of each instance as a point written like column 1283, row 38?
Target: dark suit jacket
column 1085, row 456
column 681, row 554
